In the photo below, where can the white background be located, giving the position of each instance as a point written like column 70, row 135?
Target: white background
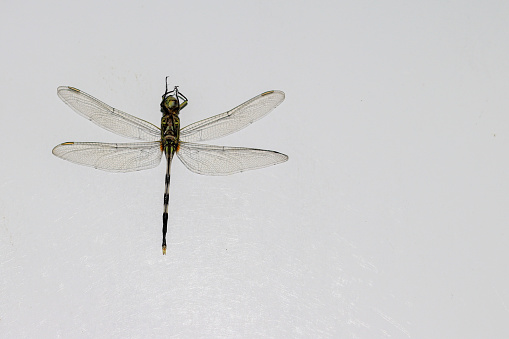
column 389, row 220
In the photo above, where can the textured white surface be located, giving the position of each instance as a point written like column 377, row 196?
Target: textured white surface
column 389, row 220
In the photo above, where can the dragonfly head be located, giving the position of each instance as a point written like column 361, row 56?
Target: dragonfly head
column 170, row 104
column 171, row 100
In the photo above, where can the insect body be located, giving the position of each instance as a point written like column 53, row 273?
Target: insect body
column 169, row 139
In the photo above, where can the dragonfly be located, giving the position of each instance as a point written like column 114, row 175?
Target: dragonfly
column 170, row 139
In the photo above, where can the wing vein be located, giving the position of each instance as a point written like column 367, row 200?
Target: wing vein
column 224, row 160
column 122, row 157
column 233, row 120
column 107, row 117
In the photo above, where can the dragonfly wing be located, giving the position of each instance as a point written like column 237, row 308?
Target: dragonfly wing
column 222, row 160
column 233, row 120
column 108, row 117
column 111, row 157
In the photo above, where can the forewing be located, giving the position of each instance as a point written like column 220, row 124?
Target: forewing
column 222, row 160
column 108, row 117
column 234, row 120
column 111, row 157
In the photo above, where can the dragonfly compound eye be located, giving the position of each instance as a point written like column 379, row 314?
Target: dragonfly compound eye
column 170, row 103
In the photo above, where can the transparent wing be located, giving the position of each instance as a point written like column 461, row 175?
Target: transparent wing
column 222, row 160
column 233, row 120
column 108, row 117
column 111, row 157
